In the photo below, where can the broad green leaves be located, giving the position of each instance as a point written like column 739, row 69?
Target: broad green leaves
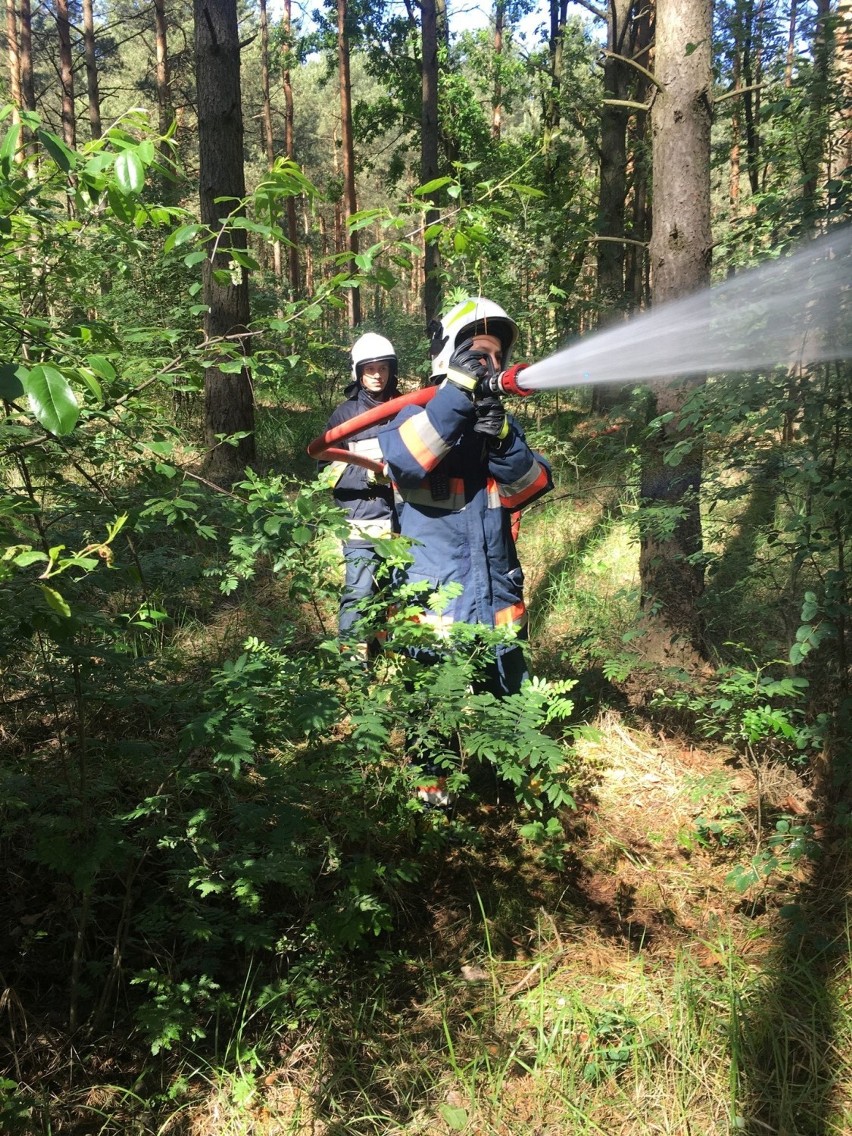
column 51, row 400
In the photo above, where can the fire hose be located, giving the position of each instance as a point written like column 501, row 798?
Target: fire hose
column 322, row 448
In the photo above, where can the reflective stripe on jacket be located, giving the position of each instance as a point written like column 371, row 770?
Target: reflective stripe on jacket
column 455, row 496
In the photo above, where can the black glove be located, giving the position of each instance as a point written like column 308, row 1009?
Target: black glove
column 469, row 369
column 491, row 420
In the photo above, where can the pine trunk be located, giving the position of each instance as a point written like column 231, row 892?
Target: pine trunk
column 670, row 566
column 289, row 149
column 66, row 74
column 348, row 148
column 429, row 152
column 165, row 110
column 15, row 96
column 228, row 403
column 92, row 86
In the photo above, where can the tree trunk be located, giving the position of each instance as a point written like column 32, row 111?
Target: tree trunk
column 670, row 570
column 813, row 152
column 348, row 148
column 15, row 96
column 165, row 110
column 228, row 403
column 66, row 74
column 613, row 299
column 843, row 56
column 636, row 268
column 292, row 227
column 791, row 44
column 25, row 55
column 25, row 61
column 734, row 174
column 429, row 152
column 752, row 66
column 266, row 115
column 497, row 89
column 442, row 17
column 91, row 69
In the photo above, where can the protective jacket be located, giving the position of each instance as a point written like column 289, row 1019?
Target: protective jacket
column 368, row 504
column 455, row 496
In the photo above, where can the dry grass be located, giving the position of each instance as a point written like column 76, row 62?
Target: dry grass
column 633, row 993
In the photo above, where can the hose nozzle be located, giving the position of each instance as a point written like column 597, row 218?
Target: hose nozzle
column 507, row 381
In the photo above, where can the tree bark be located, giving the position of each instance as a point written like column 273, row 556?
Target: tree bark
column 228, row 402
column 816, row 133
column 92, row 86
column 66, row 74
column 843, row 56
column 15, row 96
column 266, row 115
column 429, row 152
column 348, row 148
column 292, row 226
column 25, row 55
column 613, row 298
column 497, row 89
column 670, row 567
column 165, row 111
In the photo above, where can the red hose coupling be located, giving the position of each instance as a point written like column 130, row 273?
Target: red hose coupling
column 508, row 380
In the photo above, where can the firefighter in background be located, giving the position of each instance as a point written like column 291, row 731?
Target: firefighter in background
column 366, row 498
column 461, row 467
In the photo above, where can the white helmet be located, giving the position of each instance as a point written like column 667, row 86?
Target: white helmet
column 476, row 316
column 372, row 348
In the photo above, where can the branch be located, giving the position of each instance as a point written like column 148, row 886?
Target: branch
column 738, row 91
column 619, row 241
column 627, row 103
column 636, row 66
column 599, row 12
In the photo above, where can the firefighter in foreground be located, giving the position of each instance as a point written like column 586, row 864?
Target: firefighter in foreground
column 365, row 497
column 461, row 467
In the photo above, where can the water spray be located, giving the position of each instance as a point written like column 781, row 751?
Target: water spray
column 793, row 311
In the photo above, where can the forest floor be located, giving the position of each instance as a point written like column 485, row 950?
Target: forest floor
column 684, row 969
column 633, row 990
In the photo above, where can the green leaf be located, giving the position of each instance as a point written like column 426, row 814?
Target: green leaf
column 66, row 159
column 11, row 384
column 181, row 236
column 10, row 144
column 118, row 204
column 431, row 186
column 129, row 172
column 56, row 601
column 87, row 376
column 455, row 1118
column 525, row 190
column 102, row 367
column 51, row 400
column 384, row 277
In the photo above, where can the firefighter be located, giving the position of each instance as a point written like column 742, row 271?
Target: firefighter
column 460, row 467
column 365, row 497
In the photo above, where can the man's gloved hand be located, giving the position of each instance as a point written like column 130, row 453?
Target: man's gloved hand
column 491, row 420
column 469, row 368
